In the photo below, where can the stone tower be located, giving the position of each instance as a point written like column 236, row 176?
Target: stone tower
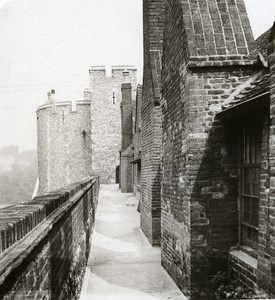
column 63, row 142
column 106, row 117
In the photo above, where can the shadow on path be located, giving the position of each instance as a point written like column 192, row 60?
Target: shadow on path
column 122, row 263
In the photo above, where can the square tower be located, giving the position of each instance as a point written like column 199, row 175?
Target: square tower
column 106, row 118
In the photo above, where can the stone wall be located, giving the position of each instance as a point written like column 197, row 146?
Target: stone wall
column 45, row 243
column 212, row 55
column 106, row 117
column 63, row 143
column 150, row 205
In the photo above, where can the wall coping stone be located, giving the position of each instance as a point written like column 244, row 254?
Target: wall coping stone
column 17, row 220
column 59, row 204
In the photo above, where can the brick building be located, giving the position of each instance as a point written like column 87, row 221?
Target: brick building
column 207, row 141
column 126, row 151
column 137, row 144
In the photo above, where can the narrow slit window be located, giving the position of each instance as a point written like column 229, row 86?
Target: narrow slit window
column 114, row 98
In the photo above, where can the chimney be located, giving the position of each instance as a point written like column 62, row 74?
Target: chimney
column 126, row 116
column 50, row 99
column 51, row 96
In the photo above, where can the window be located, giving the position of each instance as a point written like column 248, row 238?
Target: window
column 138, row 172
column 114, row 98
column 250, row 185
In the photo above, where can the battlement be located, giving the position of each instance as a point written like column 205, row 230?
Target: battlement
column 113, row 68
column 61, row 105
column 56, row 106
column 116, row 71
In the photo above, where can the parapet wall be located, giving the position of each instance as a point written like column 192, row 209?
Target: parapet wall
column 45, row 243
column 64, row 143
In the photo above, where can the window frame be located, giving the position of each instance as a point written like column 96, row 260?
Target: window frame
column 246, row 166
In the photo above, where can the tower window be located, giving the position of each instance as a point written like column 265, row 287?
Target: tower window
column 114, row 98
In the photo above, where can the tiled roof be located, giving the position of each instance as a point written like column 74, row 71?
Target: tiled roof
column 262, row 43
column 258, row 84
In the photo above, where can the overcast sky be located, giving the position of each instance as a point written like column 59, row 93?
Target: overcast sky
column 50, row 44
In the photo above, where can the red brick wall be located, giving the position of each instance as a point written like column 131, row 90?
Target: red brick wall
column 272, row 159
column 153, row 12
column 199, row 182
column 49, row 262
column 266, row 251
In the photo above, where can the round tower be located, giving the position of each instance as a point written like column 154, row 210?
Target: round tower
column 63, row 143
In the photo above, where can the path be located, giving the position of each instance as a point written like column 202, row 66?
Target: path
column 122, row 264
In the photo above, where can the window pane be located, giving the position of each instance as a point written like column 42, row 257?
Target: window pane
column 250, row 188
column 258, row 148
column 246, row 209
column 252, row 148
column 252, row 234
column 255, row 212
column 247, row 180
column 256, row 181
column 247, row 148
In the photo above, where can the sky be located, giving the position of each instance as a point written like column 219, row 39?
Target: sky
column 50, row 44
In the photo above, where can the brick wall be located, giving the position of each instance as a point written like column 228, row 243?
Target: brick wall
column 126, row 168
column 199, row 183
column 106, row 118
column 271, row 242
column 153, row 12
column 137, row 143
column 45, row 243
column 63, row 143
column 266, row 251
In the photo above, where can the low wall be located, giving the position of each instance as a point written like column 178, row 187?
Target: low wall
column 45, row 243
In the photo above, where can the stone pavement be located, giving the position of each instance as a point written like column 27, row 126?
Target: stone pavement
column 122, row 263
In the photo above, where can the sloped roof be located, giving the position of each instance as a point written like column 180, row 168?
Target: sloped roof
column 262, row 43
column 256, row 85
column 260, row 84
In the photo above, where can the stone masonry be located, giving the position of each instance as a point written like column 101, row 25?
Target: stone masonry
column 106, row 117
column 63, row 143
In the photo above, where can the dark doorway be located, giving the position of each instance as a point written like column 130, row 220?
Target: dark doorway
column 117, row 174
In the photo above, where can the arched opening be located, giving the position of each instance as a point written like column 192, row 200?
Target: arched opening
column 117, row 174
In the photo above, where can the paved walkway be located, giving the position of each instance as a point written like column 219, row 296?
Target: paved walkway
column 122, row 264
